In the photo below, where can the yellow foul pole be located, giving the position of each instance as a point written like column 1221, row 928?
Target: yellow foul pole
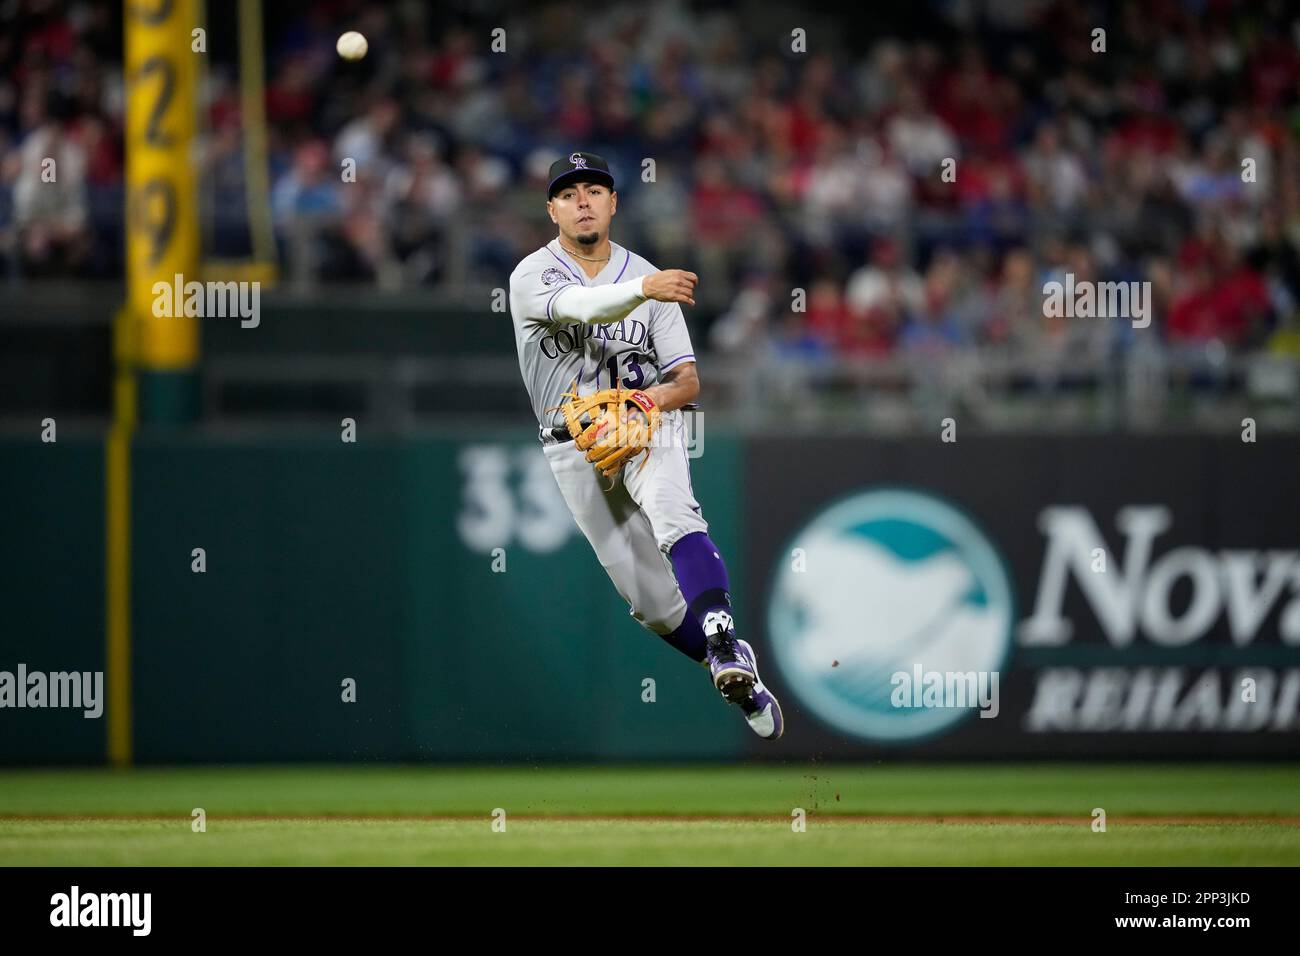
column 155, row 343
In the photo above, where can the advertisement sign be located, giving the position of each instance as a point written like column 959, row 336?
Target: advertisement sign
column 1032, row 596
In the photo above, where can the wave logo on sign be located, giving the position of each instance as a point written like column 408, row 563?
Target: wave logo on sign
column 887, row 581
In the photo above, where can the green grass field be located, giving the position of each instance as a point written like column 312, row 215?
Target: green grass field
column 565, row 815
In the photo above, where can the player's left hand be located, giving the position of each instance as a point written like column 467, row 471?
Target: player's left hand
column 621, row 423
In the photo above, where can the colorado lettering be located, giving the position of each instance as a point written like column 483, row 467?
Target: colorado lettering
column 574, row 335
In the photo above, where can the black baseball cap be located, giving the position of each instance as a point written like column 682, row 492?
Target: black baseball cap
column 578, row 167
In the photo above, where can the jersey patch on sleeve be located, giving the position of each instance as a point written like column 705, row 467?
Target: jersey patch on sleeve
column 553, row 275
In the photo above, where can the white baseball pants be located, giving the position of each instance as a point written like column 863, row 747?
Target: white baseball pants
column 633, row 519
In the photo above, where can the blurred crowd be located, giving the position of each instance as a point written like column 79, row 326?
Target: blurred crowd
column 907, row 189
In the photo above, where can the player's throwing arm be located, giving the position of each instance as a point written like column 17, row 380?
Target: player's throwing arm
column 671, row 285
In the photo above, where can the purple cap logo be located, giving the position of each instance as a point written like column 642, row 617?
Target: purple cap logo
column 578, row 161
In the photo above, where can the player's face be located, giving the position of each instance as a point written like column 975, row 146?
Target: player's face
column 583, row 211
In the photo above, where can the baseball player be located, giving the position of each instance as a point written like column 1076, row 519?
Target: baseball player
column 590, row 316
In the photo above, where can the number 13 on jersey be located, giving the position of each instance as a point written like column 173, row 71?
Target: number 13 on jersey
column 636, row 375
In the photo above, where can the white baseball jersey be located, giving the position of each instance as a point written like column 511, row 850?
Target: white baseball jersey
column 633, row 353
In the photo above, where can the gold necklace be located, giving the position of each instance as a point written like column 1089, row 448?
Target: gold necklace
column 576, row 256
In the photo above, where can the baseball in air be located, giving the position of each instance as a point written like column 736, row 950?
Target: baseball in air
column 352, row 45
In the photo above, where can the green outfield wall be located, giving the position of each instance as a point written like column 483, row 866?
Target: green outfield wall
column 1132, row 596
column 436, row 574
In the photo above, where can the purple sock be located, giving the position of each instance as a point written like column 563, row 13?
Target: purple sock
column 688, row 637
column 702, row 576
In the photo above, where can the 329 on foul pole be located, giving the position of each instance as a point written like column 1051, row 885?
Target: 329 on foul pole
column 161, row 215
